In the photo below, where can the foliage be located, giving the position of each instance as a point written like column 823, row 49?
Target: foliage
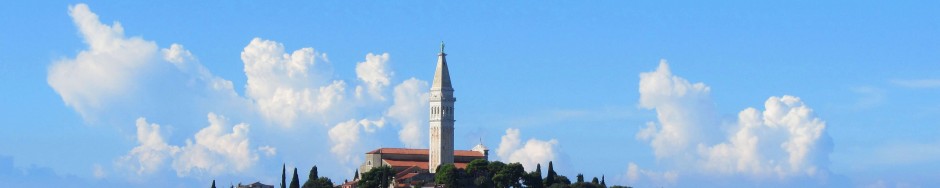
column 284, row 176
column 580, row 178
column 213, row 183
column 509, row 176
column 533, row 180
column 446, row 175
column 314, row 181
column 550, row 178
column 356, row 176
column 562, row 180
column 294, row 183
column 477, row 167
column 377, row 177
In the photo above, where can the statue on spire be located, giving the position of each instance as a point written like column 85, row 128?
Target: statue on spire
column 442, row 47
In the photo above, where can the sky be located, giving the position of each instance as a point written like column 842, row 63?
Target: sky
column 645, row 94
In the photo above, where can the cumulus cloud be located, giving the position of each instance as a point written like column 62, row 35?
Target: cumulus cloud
column 685, row 111
column 344, row 136
column 529, row 155
column 177, row 54
column 375, row 73
column 656, row 179
column 107, row 69
column 783, row 141
column 410, row 109
column 214, row 150
column 151, row 151
column 115, row 75
column 286, row 86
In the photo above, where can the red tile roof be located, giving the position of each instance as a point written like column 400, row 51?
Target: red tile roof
column 419, row 164
column 407, row 151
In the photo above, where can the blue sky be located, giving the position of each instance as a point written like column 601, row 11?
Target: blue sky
column 181, row 93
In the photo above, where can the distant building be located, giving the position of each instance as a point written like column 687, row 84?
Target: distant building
column 254, row 185
column 416, row 167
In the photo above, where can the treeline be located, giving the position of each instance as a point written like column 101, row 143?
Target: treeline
column 313, row 180
column 478, row 173
column 483, row 173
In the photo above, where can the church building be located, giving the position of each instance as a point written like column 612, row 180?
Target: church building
column 416, row 167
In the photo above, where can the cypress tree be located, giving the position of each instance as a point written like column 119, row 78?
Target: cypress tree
column 312, row 178
column 356, row 176
column 294, row 183
column 602, row 181
column 284, row 176
column 538, row 170
column 213, row 183
column 550, row 177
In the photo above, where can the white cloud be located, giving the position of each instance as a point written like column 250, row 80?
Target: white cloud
column 214, row 151
column 783, row 141
column 685, row 111
column 375, row 73
column 656, row 179
column 410, row 109
column 371, row 125
column 917, row 83
column 533, row 152
column 152, row 150
column 268, row 150
column 107, row 69
column 118, row 76
column 288, row 86
column 345, row 137
column 176, row 54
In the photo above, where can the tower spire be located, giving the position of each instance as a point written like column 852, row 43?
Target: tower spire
column 441, row 146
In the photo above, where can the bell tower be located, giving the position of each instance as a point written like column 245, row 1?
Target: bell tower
column 442, row 100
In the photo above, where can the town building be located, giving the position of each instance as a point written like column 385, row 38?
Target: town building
column 416, row 167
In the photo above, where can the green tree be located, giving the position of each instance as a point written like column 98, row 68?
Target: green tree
column 213, row 183
column 321, row 182
column 494, row 167
column 595, row 181
column 563, row 180
column 446, row 175
column 533, row 179
column 580, row 178
column 477, row 167
column 315, row 181
column 538, row 170
column 550, row 178
column 356, row 176
column 376, row 177
column 294, row 182
column 602, row 181
column 509, row 176
column 284, row 176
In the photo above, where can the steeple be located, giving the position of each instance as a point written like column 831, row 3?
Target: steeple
column 441, row 147
column 441, row 75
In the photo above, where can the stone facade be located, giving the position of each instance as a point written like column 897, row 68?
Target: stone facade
column 442, row 115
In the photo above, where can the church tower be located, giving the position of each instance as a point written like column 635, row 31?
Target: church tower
column 442, row 116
